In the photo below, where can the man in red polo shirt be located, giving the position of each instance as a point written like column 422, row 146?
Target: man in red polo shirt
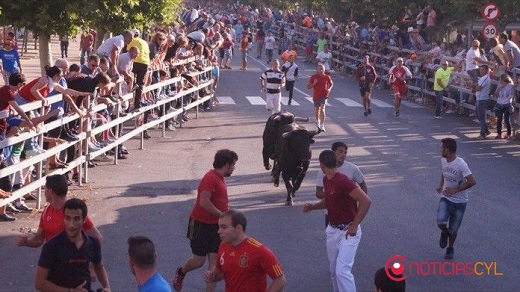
column 321, row 84
column 346, row 205
column 212, row 201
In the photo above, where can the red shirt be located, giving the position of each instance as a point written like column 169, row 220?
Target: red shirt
column 342, row 209
column 52, row 223
column 214, row 183
column 6, row 95
column 320, row 89
column 25, row 91
column 245, row 266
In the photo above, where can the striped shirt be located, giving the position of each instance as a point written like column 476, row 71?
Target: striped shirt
column 274, row 80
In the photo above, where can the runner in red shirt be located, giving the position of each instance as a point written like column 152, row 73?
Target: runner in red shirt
column 321, row 84
column 397, row 77
column 212, row 201
column 51, row 220
column 243, row 262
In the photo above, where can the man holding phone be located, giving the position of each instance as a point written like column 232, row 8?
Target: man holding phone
column 346, row 205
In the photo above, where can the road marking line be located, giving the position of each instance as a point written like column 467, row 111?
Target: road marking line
column 380, row 103
column 225, row 100
column 256, row 100
column 285, row 101
column 349, row 102
column 411, row 104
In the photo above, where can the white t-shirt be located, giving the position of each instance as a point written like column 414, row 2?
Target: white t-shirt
column 324, row 58
column 269, row 42
column 105, row 48
column 471, row 64
column 125, row 63
column 454, row 174
column 347, row 168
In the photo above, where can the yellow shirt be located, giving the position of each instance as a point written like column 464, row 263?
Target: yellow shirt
column 144, row 50
column 444, row 76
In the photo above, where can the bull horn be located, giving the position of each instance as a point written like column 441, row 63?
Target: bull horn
column 298, row 119
column 277, row 118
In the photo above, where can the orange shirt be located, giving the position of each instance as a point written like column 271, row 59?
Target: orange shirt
column 244, row 43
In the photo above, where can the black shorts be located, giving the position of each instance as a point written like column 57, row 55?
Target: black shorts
column 365, row 88
column 203, row 237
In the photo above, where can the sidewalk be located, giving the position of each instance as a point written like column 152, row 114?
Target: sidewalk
column 31, row 59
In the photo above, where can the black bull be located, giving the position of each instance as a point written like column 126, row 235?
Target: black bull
column 289, row 146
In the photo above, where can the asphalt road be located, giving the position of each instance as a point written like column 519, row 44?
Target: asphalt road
column 153, row 191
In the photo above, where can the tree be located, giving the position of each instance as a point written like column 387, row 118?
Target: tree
column 45, row 18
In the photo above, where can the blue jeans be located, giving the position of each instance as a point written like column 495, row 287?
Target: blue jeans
column 439, row 100
column 451, row 214
column 503, row 111
column 481, row 106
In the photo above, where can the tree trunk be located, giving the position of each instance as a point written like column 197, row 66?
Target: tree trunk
column 44, row 42
column 100, row 37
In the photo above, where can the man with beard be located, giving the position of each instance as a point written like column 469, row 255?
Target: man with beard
column 64, row 261
column 211, row 203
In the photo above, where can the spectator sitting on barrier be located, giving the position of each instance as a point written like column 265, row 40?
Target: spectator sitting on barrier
column 13, row 155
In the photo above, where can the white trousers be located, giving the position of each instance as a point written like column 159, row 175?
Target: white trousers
column 342, row 252
column 272, row 102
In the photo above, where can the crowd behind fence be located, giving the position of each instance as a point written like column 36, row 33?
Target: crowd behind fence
column 348, row 52
column 188, row 99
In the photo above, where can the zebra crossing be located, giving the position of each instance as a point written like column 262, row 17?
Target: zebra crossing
column 334, row 101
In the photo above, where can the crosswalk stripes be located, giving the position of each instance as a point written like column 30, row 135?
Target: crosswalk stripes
column 225, row 100
column 380, row 103
column 310, row 100
column 285, row 101
column 410, row 104
column 349, row 102
column 256, row 100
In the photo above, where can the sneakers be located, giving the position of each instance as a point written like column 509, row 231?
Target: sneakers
column 11, row 208
column 499, row 136
column 34, row 152
column 480, row 137
column 177, row 279
column 443, row 241
column 397, row 113
column 6, row 218
column 322, row 128
column 369, row 111
column 365, row 114
column 437, row 117
column 171, row 127
column 23, row 207
column 449, row 253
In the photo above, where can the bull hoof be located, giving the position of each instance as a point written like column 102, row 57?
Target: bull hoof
column 288, row 203
column 293, row 195
column 276, row 184
column 268, row 167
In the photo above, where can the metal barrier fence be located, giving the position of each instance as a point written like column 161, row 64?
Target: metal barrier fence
column 80, row 161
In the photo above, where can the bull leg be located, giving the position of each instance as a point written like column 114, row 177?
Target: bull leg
column 275, row 173
column 265, row 156
column 300, row 177
column 290, row 189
